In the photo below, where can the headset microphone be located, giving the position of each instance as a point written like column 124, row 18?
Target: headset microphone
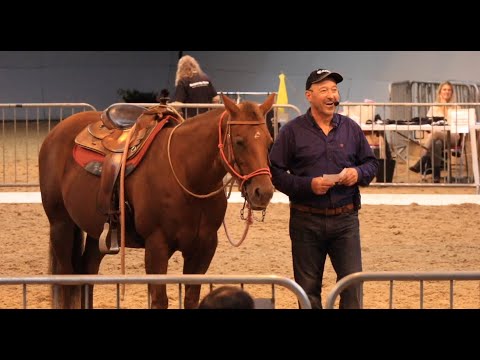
column 336, row 103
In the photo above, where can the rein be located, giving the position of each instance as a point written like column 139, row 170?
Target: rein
column 122, row 205
column 199, row 196
column 122, row 188
column 229, row 168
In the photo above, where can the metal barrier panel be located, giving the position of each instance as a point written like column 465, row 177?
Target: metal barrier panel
column 239, row 96
column 426, row 92
column 22, row 130
column 392, row 276
column 400, row 142
column 179, row 280
column 275, row 119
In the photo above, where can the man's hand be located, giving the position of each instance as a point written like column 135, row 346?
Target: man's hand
column 320, row 186
column 348, row 177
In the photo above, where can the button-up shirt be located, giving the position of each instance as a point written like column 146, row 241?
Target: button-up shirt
column 302, row 151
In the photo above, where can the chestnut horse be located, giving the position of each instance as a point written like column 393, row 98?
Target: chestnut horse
column 166, row 215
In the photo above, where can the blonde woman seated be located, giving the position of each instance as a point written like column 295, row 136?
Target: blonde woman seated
column 435, row 139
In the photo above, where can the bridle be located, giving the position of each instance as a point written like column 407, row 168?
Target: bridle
column 221, row 146
column 230, row 168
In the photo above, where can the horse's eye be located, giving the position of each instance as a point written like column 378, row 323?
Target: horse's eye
column 239, row 142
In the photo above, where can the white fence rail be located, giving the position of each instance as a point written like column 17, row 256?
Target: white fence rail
column 22, row 130
column 86, row 280
column 392, row 276
column 281, row 112
column 399, row 145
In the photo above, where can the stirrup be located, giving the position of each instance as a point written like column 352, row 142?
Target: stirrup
column 104, row 236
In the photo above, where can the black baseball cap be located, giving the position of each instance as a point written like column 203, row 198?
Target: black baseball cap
column 321, row 74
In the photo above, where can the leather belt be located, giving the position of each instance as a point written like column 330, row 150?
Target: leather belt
column 327, row 212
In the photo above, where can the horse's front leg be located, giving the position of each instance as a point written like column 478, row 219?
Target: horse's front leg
column 156, row 262
column 198, row 262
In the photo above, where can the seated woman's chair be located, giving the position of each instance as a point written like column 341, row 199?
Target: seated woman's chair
column 454, row 161
column 381, row 149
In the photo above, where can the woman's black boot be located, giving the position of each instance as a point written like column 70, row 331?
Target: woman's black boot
column 416, row 167
column 436, row 174
column 423, row 164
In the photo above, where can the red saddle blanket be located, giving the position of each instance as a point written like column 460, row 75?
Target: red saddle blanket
column 92, row 161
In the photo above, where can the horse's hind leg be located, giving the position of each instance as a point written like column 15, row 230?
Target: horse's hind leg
column 65, row 240
column 90, row 264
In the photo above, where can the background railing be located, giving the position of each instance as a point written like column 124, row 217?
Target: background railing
column 400, row 140
column 22, row 130
column 397, row 141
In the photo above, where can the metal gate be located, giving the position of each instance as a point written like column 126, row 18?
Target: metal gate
column 22, row 130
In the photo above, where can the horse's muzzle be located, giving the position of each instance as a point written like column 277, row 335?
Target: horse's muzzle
column 259, row 196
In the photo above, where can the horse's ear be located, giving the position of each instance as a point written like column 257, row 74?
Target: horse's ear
column 231, row 107
column 267, row 105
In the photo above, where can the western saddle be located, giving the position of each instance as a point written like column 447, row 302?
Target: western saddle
column 100, row 150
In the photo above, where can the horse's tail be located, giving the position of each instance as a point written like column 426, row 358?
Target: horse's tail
column 66, row 296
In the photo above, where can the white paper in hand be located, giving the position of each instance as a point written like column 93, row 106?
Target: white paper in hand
column 335, row 177
column 332, row 177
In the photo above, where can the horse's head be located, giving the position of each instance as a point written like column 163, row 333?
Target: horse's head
column 250, row 142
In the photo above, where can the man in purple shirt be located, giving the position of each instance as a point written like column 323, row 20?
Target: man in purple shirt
column 319, row 160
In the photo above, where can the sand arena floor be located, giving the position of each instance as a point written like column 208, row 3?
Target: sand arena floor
column 394, row 238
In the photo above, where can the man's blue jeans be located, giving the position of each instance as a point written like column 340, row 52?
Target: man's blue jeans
column 316, row 236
